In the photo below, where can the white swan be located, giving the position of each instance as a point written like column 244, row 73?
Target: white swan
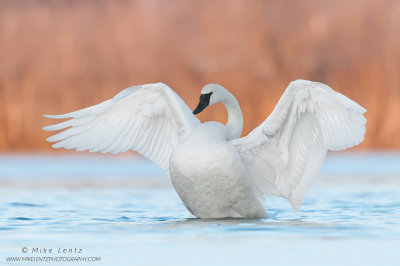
column 215, row 172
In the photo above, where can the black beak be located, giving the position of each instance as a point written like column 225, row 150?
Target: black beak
column 203, row 103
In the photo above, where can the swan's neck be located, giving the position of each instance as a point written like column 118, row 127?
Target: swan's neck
column 235, row 118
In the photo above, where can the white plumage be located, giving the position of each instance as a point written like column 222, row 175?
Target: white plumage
column 150, row 119
column 214, row 171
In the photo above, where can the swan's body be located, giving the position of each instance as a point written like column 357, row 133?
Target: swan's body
column 210, row 178
column 215, row 172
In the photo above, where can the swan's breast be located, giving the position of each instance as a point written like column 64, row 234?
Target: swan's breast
column 207, row 172
column 205, row 149
column 207, row 132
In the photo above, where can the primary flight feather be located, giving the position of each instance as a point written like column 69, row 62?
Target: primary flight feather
column 215, row 172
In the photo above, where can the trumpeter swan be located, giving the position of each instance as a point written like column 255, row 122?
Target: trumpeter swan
column 215, row 172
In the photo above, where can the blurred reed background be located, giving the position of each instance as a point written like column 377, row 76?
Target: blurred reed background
column 60, row 55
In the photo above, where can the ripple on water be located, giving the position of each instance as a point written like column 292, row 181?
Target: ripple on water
column 5, row 228
column 24, row 204
column 21, row 219
column 103, row 220
column 124, row 218
column 163, row 219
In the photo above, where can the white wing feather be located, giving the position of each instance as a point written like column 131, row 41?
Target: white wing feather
column 283, row 154
column 150, row 119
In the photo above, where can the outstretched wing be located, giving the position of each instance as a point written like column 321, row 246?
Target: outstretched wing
column 284, row 153
column 150, row 119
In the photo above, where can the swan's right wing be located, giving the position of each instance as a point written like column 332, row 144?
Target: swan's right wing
column 284, row 153
column 150, row 119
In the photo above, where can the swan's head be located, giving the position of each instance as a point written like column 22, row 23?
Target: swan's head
column 211, row 94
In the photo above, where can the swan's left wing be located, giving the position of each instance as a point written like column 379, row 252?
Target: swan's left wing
column 284, row 153
column 150, row 119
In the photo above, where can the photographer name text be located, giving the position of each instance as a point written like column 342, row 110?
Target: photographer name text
column 48, row 250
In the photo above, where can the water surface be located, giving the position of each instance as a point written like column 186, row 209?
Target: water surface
column 125, row 211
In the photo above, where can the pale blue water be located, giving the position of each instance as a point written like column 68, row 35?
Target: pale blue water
column 123, row 210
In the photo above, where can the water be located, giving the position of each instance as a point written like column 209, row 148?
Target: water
column 123, row 210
